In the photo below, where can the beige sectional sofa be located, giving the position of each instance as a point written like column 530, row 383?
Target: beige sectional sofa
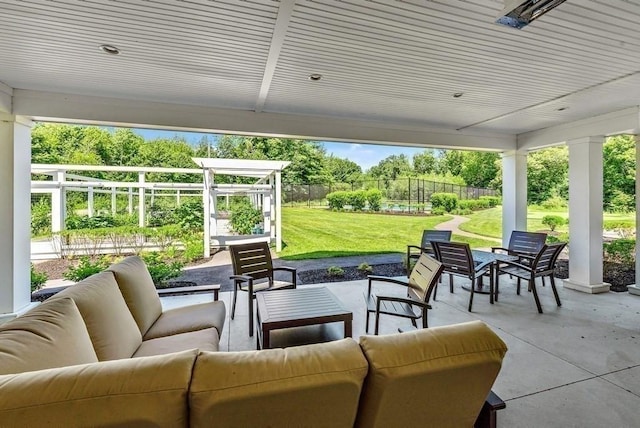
column 103, row 353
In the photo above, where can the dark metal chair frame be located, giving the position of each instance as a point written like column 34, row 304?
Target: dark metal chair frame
column 523, row 244
column 458, row 260
column 425, row 245
column 542, row 265
column 252, row 262
column 423, row 279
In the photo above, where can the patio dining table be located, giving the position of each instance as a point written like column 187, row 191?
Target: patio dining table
column 482, row 257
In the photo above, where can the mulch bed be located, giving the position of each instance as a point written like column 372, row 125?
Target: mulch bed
column 616, row 274
column 351, row 273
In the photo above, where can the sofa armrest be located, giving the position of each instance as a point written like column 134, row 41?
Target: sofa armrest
column 489, row 414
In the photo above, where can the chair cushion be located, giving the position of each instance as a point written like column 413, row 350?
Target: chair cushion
column 138, row 291
column 50, row 335
column 113, row 331
column 436, row 377
column 188, row 318
column 315, row 386
column 138, row 392
column 205, row 340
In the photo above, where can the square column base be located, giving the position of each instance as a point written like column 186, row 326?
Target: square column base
column 603, row 287
column 634, row 289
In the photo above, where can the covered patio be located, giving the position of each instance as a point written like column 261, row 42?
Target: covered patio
column 575, row 365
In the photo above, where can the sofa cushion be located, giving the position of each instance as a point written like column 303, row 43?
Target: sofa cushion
column 138, row 291
column 314, row 385
column 432, row 377
column 138, row 392
column 204, row 340
column 111, row 326
column 188, row 318
column 50, row 335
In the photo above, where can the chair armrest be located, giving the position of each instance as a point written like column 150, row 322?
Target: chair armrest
column 415, row 247
column 387, row 279
column 243, row 278
column 291, row 270
column 488, row 415
column 407, row 300
column 287, row 268
column 516, row 264
column 493, row 249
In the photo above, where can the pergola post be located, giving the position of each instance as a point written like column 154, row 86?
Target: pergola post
column 141, row 213
column 268, row 209
column 90, row 204
column 206, row 204
column 15, row 176
column 514, row 193
column 114, row 205
column 585, row 212
column 58, row 203
column 278, row 209
column 635, row 289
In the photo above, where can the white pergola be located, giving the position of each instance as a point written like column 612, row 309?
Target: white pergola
column 266, row 192
column 413, row 73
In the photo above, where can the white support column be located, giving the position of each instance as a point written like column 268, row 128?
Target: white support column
column 15, row 176
column 585, row 214
column 635, row 289
column 141, row 212
column 90, row 209
column 58, row 203
column 278, row 211
column 514, row 193
column 206, row 204
column 178, row 198
column 114, row 204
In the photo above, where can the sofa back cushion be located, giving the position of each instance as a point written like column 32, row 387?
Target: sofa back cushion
column 50, row 335
column 315, row 385
column 138, row 392
column 436, row 377
column 138, row 291
column 111, row 326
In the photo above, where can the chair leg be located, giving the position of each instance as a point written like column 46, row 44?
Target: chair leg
column 250, row 315
column 413, row 323
column 377, row 323
column 435, row 289
column 518, row 287
column 424, row 318
column 532, row 285
column 235, row 296
column 473, row 286
column 450, row 283
column 366, row 325
column 555, row 291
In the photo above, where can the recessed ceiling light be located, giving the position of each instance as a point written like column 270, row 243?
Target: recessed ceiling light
column 562, row 108
column 110, row 49
column 458, row 94
column 315, row 77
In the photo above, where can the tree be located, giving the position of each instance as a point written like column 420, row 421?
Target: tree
column 391, row 167
column 451, row 162
column 619, row 173
column 342, row 170
column 547, row 174
column 479, row 169
column 425, row 162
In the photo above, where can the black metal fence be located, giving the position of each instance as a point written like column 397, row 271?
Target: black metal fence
column 409, row 191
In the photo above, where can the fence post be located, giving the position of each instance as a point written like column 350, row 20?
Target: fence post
column 409, row 204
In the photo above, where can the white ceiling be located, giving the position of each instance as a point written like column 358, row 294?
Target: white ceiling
column 392, row 64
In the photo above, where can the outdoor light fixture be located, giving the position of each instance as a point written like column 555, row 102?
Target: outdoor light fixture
column 519, row 13
column 315, row 77
column 109, row 49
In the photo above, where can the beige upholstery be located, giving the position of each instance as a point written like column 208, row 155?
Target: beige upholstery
column 139, row 392
column 113, row 331
column 204, row 340
column 51, row 335
column 314, row 385
column 138, row 291
column 435, row 377
column 188, row 318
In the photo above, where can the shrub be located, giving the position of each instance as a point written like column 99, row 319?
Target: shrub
column 357, row 199
column 193, row 247
column 493, row 201
column 161, row 269
column 244, row 217
column 335, row 271
column 621, row 202
column 620, row 251
column 159, row 216
column 74, row 222
column 562, row 237
column 337, row 200
column 553, row 221
column 365, row 267
column 473, row 204
column 374, row 198
column 40, row 217
column 625, row 228
column 85, row 268
column 38, row 279
column 447, row 201
column 190, row 215
column 554, row 202
column 438, row 211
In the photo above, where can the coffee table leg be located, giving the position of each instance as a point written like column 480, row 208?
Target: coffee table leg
column 347, row 328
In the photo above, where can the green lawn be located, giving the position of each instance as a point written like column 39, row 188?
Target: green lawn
column 489, row 222
column 310, row 233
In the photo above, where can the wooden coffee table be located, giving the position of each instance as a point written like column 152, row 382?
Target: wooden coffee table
column 284, row 309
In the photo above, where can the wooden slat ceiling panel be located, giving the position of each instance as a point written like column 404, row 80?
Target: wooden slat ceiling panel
column 198, row 52
column 413, row 55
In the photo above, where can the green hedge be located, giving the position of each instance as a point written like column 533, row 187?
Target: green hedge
column 445, row 201
column 358, row 199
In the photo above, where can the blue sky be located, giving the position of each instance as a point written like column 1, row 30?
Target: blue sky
column 365, row 155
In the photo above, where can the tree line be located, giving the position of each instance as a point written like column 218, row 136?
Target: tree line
column 547, row 172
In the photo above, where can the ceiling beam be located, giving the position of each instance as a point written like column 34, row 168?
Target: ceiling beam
column 277, row 40
column 48, row 106
column 625, row 121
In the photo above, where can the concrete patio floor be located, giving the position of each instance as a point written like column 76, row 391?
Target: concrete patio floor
column 573, row 366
